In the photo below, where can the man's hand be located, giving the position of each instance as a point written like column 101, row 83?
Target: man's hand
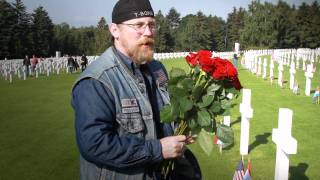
column 173, row 146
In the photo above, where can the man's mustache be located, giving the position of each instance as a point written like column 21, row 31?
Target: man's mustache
column 148, row 41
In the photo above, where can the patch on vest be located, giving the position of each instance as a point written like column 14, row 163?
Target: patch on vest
column 130, row 110
column 161, row 77
column 129, row 106
column 129, row 103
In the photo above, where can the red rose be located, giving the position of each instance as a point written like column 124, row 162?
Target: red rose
column 236, row 83
column 192, row 59
column 205, row 60
column 219, row 72
column 231, row 70
column 204, row 54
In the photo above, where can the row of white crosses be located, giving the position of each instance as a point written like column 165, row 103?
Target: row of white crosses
column 47, row 66
column 281, row 136
column 253, row 62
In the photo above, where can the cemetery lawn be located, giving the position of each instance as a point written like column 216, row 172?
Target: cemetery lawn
column 37, row 130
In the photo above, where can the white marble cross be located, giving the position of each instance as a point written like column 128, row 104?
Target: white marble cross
column 25, row 72
column 292, row 72
column 297, row 62
column 256, row 64
column 309, row 76
column 37, row 70
column 304, row 67
column 48, row 70
column 280, row 74
column 286, row 144
column 271, row 70
column 58, row 68
column 19, row 73
column 11, row 74
column 259, row 66
column 265, row 64
column 246, row 114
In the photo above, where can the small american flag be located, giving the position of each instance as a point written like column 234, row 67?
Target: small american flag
column 217, row 141
column 239, row 173
column 247, row 175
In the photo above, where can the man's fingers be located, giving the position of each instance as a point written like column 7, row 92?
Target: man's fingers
column 189, row 140
column 181, row 138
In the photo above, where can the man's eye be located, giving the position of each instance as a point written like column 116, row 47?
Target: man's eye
column 138, row 25
column 152, row 25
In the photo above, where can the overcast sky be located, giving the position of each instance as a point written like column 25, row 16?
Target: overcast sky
column 88, row 12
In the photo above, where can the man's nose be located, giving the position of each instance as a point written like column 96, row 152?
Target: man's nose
column 148, row 31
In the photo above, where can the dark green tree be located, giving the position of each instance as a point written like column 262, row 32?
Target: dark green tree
column 258, row 30
column 61, row 39
column 217, row 26
column 7, row 22
column 21, row 38
column 163, row 39
column 313, row 36
column 102, row 37
column 284, row 26
column 235, row 23
column 87, row 40
column 173, row 18
column 194, row 33
column 42, row 28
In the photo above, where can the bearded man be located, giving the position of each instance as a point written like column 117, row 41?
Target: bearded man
column 117, row 100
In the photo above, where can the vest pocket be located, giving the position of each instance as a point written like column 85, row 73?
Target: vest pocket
column 131, row 122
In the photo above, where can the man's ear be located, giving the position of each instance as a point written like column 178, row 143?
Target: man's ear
column 114, row 30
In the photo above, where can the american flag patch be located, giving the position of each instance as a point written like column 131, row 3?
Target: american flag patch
column 161, row 77
column 129, row 102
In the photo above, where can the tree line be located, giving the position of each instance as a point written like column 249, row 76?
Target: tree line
column 261, row 25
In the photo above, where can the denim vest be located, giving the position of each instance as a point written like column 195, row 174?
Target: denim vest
column 126, row 89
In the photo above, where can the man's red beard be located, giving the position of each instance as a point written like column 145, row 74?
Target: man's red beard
column 144, row 51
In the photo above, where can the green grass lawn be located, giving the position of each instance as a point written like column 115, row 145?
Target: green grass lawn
column 37, row 130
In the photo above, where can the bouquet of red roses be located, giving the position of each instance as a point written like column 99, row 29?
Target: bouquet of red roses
column 200, row 96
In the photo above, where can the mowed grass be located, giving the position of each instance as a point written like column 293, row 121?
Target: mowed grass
column 37, row 136
column 37, row 130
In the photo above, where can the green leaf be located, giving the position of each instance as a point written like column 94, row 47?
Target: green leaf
column 165, row 114
column 187, row 84
column 225, row 134
column 225, row 104
column 175, row 110
column 204, row 118
column 176, row 91
column 232, row 90
column 185, row 104
column 205, row 140
column 197, row 92
column 206, row 101
column 215, row 107
column 211, row 93
column 226, row 112
column 177, row 72
column 192, row 123
column 174, row 81
column 213, row 87
column 197, row 70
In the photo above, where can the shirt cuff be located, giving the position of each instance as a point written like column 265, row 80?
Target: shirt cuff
column 155, row 150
